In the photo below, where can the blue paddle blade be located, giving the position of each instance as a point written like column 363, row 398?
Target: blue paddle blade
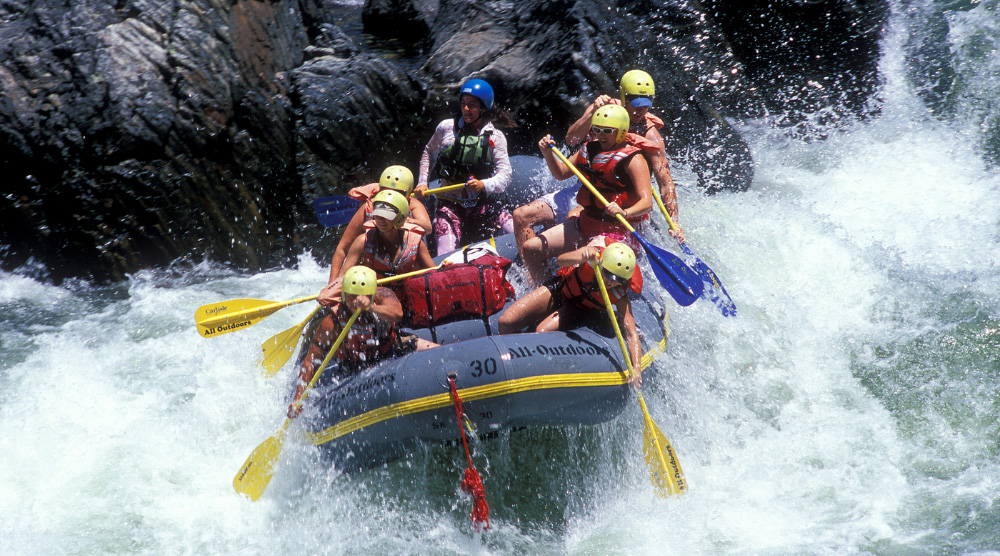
column 713, row 286
column 335, row 211
column 676, row 277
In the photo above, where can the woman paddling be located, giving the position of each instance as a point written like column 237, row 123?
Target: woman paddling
column 374, row 336
column 468, row 149
column 573, row 298
column 615, row 171
column 636, row 93
column 391, row 244
column 395, row 178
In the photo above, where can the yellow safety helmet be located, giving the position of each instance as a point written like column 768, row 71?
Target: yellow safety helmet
column 391, row 205
column 637, row 89
column 619, row 259
column 397, row 178
column 360, row 280
column 614, row 116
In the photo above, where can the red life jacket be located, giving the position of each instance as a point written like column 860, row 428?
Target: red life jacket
column 459, row 291
column 579, row 286
column 384, row 259
column 607, row 169
column 369, row 339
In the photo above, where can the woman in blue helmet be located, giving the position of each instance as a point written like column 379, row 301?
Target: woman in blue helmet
column 468, row 149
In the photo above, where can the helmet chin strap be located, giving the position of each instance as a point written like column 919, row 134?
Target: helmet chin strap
column 478, row 121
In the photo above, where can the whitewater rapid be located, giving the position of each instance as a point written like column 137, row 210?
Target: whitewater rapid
column 851, row 407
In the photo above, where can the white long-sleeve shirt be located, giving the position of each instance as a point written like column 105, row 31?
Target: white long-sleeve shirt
column 444, row 135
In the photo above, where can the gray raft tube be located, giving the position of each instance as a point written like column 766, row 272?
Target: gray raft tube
column 505, row 382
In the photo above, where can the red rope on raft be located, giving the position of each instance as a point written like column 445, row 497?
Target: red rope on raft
column 471, row 483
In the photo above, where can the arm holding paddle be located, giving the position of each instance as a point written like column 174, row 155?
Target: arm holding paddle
column 577, row 133
column 384, row 305
column 624, row 307
column 330, row 294
column 558, row 167
column 591, row 254
column 666, row 197
column 638, row 172
column 430, row 153
column 676, row 277
column 279, row 348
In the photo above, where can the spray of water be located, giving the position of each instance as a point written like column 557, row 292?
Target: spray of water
column 850, row 408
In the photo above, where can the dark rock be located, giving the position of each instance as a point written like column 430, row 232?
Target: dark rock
column 356, row 116
column 804, row 56
column 135, row 133
column 405, row 20
column 549, row 59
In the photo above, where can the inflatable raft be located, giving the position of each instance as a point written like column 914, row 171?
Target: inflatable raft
column 504, row 381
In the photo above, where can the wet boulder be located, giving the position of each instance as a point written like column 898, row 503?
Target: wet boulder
column 549, row 59
column 138, row 133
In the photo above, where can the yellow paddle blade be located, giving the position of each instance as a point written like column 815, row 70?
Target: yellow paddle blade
column 220, row 318
column 278, row 349
column 256, row 473
column 664, row 469
column 257, row 470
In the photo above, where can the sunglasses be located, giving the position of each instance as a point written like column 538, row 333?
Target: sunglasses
column 614, row 278
column 597, row 130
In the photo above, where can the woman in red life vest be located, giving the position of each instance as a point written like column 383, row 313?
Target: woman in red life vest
column 468, row 149
column 373, row 337
column 573, row 296
column 391, row 244
column 613, row 167
column 395, row 178
column 636, row 92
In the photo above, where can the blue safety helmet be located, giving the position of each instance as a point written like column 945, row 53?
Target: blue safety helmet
column 479, row 89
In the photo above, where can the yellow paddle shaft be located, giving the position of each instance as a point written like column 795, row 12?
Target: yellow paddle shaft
column 663, row 209
column 208, row 316
column 445, row 189
column 329, row 356
column 659, row 468
column 406, row 275
column 593, row 190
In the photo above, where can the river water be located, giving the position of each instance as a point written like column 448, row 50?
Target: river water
column 851, row 408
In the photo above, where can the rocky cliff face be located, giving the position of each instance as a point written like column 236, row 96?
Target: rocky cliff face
column 136, row 133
